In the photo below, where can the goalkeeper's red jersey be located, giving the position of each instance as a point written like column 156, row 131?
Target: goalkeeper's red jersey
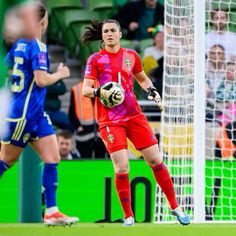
column 104, row 67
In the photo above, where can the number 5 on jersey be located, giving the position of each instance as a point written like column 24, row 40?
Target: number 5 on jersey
column 18, row 86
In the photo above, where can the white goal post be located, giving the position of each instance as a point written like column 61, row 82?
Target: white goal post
column 199, row 112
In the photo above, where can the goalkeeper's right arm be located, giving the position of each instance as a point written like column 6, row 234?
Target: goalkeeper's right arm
column 88, row 88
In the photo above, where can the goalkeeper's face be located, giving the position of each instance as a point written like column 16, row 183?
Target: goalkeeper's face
column 111, row 34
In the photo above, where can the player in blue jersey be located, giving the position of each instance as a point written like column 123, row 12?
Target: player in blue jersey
column 27, row 121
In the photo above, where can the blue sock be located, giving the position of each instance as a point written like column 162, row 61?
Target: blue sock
column 49, row 181
column 3, row 167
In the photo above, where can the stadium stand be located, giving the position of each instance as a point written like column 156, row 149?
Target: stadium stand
column 80, row 17
column 105, row 7
column 57, row 7
column 119, row 3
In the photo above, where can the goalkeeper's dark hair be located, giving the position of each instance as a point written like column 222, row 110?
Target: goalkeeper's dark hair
column 93, row 31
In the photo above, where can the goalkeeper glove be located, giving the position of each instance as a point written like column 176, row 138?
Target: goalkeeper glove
column 154, row 95
column 103, row 93
column 108, row 93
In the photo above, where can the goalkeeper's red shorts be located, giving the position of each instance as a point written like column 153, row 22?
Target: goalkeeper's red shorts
column 137, row 129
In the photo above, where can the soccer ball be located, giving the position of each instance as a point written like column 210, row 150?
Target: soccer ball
column 112, row 94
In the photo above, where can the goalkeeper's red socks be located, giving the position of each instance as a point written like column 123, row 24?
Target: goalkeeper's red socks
column 163, row 178
column 123, row 190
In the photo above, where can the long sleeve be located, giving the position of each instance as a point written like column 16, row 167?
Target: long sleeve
column 56, row 89
column 72, row 115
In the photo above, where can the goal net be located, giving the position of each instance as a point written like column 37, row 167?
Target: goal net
column 181, row 127
column 220, row 49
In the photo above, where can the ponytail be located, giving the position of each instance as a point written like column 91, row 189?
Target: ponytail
column 93, row 31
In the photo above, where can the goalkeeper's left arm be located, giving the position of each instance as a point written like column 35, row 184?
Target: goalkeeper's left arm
column 147, row 85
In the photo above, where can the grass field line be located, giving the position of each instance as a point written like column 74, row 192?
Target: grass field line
column 90, row 229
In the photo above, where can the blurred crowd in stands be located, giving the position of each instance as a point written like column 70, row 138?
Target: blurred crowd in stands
column 221, row 83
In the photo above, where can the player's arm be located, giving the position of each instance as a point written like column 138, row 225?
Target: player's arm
column 43, row 78
column 88, row 89
column 147, row 85
column 140, row 75
column 143, row 80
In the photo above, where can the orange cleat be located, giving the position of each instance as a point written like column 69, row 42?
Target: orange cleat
column 58, row 218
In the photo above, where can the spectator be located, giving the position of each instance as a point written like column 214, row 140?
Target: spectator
column 220, row 35
column 65, row 143
column 215, row 69
column 153, row 54
column 226, row 110
column 177, row 65
column 225, row 96
column 226, row 91
column 215, row 74
column 226, row 141
column 52, row 106
column 82, row 117
column 136, row 17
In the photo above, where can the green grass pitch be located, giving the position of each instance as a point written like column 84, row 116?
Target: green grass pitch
column 114, row 229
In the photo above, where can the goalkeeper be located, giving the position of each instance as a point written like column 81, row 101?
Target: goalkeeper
column 115, row 64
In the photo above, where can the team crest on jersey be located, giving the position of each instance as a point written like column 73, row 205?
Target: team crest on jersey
column 26, row 137
column 128, row 63
column 110, row 138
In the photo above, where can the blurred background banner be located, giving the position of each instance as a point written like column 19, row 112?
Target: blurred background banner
column 87, row 190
